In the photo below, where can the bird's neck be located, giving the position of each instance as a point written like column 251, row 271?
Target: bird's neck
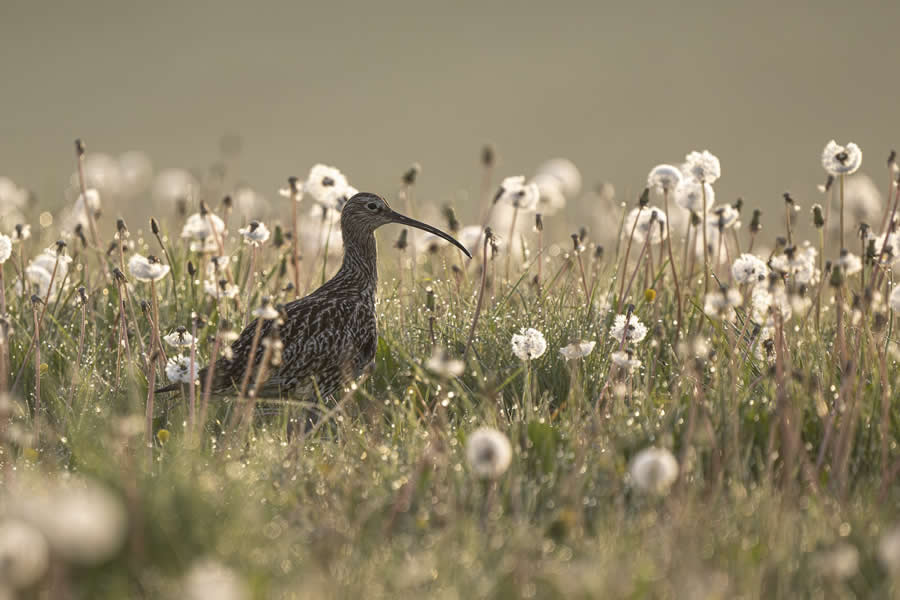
column 360, row 264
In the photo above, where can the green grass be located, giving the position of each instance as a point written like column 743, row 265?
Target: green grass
column 379, row 501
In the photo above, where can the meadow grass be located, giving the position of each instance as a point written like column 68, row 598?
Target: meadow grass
column 786, row 446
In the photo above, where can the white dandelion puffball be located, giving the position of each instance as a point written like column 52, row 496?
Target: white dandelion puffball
column 101, row 171
column 634, row 331
column 5, row 248
column 83, row 522
column 889, row 550
column 749, row 268
column 565, row 172
column 178, row 369
column 180, row 338
column 577, row 350
column 654, row 470
column 862, row 200
column 470, row 236
column 211, row 579
column 529, row 344
column 136, row 172
column 24, row 554
column 702, row 166
column 720, row 303
column 147, row 269
column 841, row 562
column 175, row 189
column 664, row 178
column 255, row 232
column 21, row 232
column 327, row 186
column 203, row 230
column 841, row 160
column 221, row 289
column 248, row 203
column 442, row 364
column 551, row 199
column 77, row 215
column 624, row 359
column 723, row 217
column 518, row 194
column 488, row 452
column 12, row 201
column 894, row 298
column 646, row 222
column 39, row 272
column 689, row 196
column 849, row 262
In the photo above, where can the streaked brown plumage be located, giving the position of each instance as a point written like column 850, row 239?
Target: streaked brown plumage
column 329, row 337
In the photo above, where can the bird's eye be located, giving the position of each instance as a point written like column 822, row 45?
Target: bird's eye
column 371, row 206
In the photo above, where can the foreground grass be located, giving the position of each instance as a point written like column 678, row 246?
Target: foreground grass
column 784, row 460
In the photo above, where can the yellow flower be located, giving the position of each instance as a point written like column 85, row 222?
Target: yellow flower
column 163, row 436
column 649, row 295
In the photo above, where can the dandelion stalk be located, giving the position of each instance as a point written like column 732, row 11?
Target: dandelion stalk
column 35, row 300
column 488, row 235
column 148, row 428
column 295, row 236
column 672, row 263
column 705, row 247
column 509, row 246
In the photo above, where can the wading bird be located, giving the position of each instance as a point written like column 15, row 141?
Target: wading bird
column 329, row 337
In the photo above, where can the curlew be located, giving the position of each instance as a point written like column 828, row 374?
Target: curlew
column 328, row 337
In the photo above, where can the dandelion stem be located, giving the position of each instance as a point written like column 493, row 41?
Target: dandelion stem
column 672, row 265
column 478, row 303
column 705, row 247
column 842, row 212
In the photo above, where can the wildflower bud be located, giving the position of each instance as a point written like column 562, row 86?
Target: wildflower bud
column 738, row 204
column 696, row 220
column 818, row 217
column 409, row 178
column 868, row 296
column 450, row 215
column 79, row 233
column 293, row 182
column 487, row 156
column 755, row 223
column 145, row 308
column 837, row 278
column 227, row 202
column 278, row 237
column 856, row 302
column 787, row 198
column 82, row 294
column 576, row 243
column 828, row 265
column 870, row 251
column 539, row 222
column 288, row 288
column 488, row 233
column 781, row 242
column 112, row 246
column 582, row 233
column 154, row 226
column 118, row 275
column 60, row 246
column 644, row 200
column 79, row 147
column 401, row 242
column 204, row 209
column 863, row 231
column 192, row 270
column 892, row 158
column 598, row 252
column 429, row 298
column 35, row 299
column 829, row 182
column 649, row 295
column 455, row 268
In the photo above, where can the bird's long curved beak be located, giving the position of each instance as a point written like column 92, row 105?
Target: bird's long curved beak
column 404, row 220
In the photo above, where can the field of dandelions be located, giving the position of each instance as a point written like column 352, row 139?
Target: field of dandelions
column 673, row 401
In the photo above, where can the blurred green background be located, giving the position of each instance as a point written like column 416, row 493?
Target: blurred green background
column 373, row 86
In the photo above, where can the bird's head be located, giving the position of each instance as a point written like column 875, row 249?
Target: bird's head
column 366, row 212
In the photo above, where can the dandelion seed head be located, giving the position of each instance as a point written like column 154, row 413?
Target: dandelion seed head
column 632, row 332
column 24, row 554
column 178, row 369
column 529, row 344
column 175, row 190
column 702, row 166
column 203, row 230
column 577, row 350
column 327, row 186
column 489, row 453
column 647, row 222
column 146, row 269
column 180, row 338
column 625, row 360
column 689, row 195
column 442, row 364
column 211, row 579
column 653, row 470
column 841, row 160
column 664, row 178
column 518, row 194
column 255, row 232
column 5, row 248
column 749, row 269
